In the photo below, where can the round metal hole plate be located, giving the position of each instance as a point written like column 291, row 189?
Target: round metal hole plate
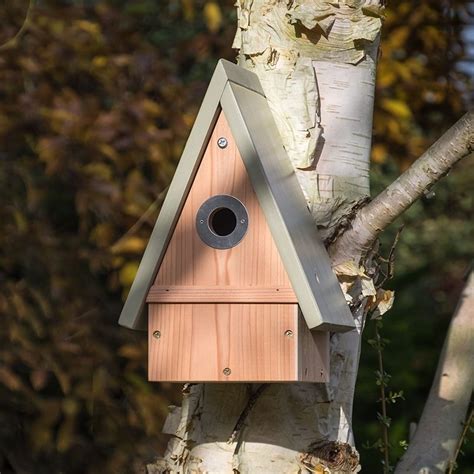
column 233, row 221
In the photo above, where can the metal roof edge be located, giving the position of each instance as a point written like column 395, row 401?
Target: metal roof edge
column 228, row 78
column 132, row 315
column 239, row 75
column 281, row 198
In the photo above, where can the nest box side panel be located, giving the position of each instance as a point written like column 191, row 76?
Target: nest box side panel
column 195, row 271
column 313, row 353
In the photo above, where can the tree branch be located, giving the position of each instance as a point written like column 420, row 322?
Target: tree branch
column 436, row 162
column 434, row 443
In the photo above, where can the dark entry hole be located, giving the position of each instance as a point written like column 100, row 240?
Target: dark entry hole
column 223, row 221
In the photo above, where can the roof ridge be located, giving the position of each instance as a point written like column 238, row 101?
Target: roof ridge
column 239, row 94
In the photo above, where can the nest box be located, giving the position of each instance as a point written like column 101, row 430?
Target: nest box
column 235, row 280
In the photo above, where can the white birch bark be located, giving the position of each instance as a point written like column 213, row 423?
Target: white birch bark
column 434, row 442
column 316, row 61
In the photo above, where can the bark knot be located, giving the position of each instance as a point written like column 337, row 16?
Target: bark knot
column 345, row 222
column 331, row 457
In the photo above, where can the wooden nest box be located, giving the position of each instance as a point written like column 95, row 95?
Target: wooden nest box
column 238, row 284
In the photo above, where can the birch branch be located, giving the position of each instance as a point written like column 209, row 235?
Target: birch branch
column 434, row 443
column 436, row 162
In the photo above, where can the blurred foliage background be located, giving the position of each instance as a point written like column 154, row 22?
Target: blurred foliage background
column 97, row 99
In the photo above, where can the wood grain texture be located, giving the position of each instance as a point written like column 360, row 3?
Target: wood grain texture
column 313, row 353
column 228, row 309
column 199, row 341
column 254, row 263
column 224, row 294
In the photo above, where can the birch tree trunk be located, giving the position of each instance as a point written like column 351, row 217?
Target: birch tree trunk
column 316, row 61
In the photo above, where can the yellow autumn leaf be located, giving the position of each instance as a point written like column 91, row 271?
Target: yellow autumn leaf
column 386, row 298
column 65, row 435
column 403, row 71
column 188, row 9
column 129, row 245
column 379, row 153
column 382, row 302
column 151, row 107
column 99, row 61
column 108, row 151
column 99, row 170
column 398, row 37
column 9, row 379
column 127, row 273
column 397, row 107
column 92, row 28
column 385, row 75
column 21, row 221
column 394, row 130
column 102, row 234
column 130, row 351
column 212, row 16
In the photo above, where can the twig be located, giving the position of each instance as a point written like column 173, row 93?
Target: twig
column 151, row 208
column 12, row 41
column 467, row 424
column 390, row 260
column 245, row 413
column 383, row 401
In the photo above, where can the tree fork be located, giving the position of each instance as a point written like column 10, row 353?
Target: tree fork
column 456, row 144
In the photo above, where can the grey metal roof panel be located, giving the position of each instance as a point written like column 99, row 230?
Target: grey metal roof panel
column 240, row 95
column 133, row 314
column 305, row 258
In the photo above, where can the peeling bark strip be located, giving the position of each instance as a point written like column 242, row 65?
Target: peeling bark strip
column 434, row 443
column 316, row 62
column 456, row 144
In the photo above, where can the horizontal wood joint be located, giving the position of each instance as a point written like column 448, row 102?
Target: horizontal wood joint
column 220, row 294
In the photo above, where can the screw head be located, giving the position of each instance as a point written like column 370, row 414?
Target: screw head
column 289, row 333
column 156, row 334
column 227, row 371
column 222, row 142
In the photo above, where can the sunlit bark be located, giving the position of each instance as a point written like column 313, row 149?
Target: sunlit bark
column 316, row 62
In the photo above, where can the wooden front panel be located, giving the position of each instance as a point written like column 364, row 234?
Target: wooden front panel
column 254, row 262
column 198, row 342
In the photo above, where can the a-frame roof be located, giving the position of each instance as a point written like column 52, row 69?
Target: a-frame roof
column 238, row 93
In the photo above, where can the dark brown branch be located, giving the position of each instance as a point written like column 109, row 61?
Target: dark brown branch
column 436, row 162
column 383, row 402
column 246, row 411
column 390, row 260
column 435, row 441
